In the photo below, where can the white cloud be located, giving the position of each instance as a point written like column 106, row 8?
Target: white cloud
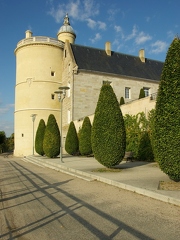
column 142, row 38
column 112, row 12
column 159, row 46
column 78, row 10
column 96, row 38
column 91, row 23
column 133, row 34
column 118, row 28
column 102, row 25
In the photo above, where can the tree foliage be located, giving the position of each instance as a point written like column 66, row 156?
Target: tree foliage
column 72, row 142
column 2, row 137
column 138, row 136
column 40, row 137
column 51, row 142
column 167, row 117
column 108, row 135
column 85, row 137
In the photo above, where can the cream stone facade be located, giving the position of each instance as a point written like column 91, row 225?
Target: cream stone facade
column 44, row 64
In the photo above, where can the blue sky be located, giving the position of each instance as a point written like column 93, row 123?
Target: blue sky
column 129, row 25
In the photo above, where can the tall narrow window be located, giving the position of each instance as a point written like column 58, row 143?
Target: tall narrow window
column 127, row 92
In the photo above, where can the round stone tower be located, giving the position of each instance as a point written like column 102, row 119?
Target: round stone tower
column 38, row 74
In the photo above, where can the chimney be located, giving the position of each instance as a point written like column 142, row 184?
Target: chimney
column 142, row 55
column 108, row 48
column 28, row 34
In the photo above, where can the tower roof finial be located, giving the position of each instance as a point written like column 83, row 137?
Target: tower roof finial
column 66, row 20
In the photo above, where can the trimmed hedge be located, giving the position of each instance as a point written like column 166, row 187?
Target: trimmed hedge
column 141, row 93
column 167, row 116
column 51, row 142
column 72, row 142
column 108, row 135
column 40, row 137
column 122, row 101
column 85, row 137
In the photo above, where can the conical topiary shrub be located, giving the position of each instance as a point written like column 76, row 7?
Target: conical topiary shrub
column 85, row 137
column 51, row 142
column 121, row 101
column 141, row 93
column 40, row 137
column 167, row 115
column 72, row 142
column 108, row 135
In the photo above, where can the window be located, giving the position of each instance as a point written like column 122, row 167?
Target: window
column 146, row 91
column 52, row 73
column 127, row 92
column 65, row 53
column 52, row 96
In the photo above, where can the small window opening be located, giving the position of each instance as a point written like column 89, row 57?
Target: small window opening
column 52, row 73
column 52, row 96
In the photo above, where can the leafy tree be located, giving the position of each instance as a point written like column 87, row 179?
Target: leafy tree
column 141, row 93
column 9, row 143
column 40, row 137
column 133, row 133
column 108, row 135
column 2, row 137
column 138, row 136
column 2, row 141
column 167, row 116
column 122, row 101
column 85, row 137
column 72, row 142
column 51, row 142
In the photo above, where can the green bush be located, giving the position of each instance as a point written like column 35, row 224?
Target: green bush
column 141, row 93
column 145, row 152
column 85, row 138
column 122, row 101
column 72, row 142
column 167, row 116
column 108, row 135
column 138, row 136
column 40, row 137
column 51, row 142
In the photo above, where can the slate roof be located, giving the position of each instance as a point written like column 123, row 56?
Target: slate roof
column 93, row 59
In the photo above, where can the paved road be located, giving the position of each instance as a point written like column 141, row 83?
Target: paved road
column 39, row 203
